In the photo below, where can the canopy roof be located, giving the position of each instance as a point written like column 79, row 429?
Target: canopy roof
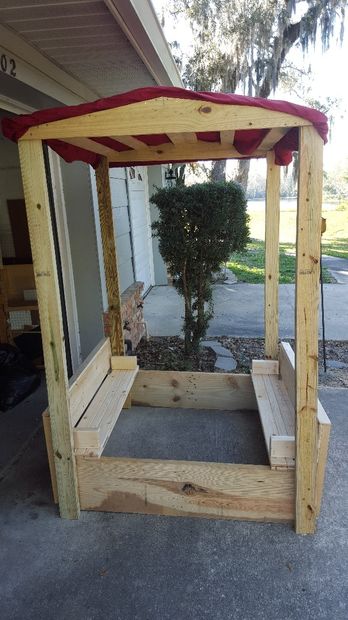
column 167, row 124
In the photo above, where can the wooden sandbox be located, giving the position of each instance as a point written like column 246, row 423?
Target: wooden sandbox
column 161, row 125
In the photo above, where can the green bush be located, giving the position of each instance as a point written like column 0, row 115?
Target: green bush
column 198, row 228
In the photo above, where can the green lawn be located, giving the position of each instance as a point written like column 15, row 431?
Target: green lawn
column 249, row 266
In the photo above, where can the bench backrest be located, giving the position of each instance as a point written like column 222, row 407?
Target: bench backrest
column 287, row 373
column 87, row 380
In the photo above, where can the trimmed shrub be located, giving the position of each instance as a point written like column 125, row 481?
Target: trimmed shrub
column 198, row 228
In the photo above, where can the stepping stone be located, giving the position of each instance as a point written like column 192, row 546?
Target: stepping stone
column 217, row 348
column 336, row 364
column 225, row 363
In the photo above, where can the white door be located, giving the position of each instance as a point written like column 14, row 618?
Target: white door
column 140, row 225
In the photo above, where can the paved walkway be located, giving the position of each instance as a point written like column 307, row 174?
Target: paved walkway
column 338, row 268
column 239, row 311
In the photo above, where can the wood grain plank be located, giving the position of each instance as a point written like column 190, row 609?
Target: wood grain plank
column 125, row 362
column 277, row 415
column 287, row 369
column 265, row 367
column 182, row 152
column 193, row 390
column 227, row 137
column 271, row 309
column 132, row 142
column 186, row 488
column 94, row 147
column 273, row 136
column 183, row 138
column 164, row 115
column 87, row 380
column 110, row 261
column 306, row 330
column 46, row 422
column 46, row 279
column 324, row 429
column 99, row 419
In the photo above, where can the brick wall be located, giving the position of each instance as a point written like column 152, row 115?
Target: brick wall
column 132, row 314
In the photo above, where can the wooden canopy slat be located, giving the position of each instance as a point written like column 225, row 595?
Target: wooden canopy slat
column 130, row 141
column 94, row 147
column 227, row 137
column 273, row 136
column 180, row 138
column 164, row 115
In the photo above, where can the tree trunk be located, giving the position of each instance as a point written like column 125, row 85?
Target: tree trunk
column 218, row 170
column 243, row 173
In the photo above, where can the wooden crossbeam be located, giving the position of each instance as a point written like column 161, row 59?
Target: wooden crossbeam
column 130, row 141
column 273, row 136
column 164, row 115
column 227, row 137
column 183, row 152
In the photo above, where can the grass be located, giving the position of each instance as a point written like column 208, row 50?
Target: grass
column 249, row 266
column 336, row 247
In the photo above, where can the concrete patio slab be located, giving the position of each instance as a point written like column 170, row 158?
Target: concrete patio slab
column 239, row 311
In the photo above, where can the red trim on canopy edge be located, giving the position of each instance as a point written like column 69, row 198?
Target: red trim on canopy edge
column 245, row 140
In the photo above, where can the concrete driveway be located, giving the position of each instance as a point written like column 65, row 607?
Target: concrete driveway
column 239, row 311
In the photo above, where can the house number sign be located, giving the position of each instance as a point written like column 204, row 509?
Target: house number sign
column 8, row 64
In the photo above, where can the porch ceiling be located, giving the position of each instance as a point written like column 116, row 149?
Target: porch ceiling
column 86, row 39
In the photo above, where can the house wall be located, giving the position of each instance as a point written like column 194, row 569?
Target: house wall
column 120, row 212
column 40, row 83
column 140, row 225
column 156, row 179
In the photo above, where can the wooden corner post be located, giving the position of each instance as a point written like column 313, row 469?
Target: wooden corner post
column 110, row 260
column 46, row 279
column 272, row 257
column 306, row 332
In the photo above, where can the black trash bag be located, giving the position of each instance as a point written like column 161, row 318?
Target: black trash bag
column 30, row 343
column 18, row 377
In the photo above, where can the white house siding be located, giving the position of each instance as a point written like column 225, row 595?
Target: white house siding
column 140, row 225
column 156, row 179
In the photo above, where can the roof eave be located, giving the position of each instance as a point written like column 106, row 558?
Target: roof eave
column 139, row 22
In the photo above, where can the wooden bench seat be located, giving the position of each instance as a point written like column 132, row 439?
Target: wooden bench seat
column 98, row 392
column 100, row 417
column 276, row 413
column 274, row 385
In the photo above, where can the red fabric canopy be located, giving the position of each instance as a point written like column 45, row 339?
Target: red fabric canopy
column 245, row 141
